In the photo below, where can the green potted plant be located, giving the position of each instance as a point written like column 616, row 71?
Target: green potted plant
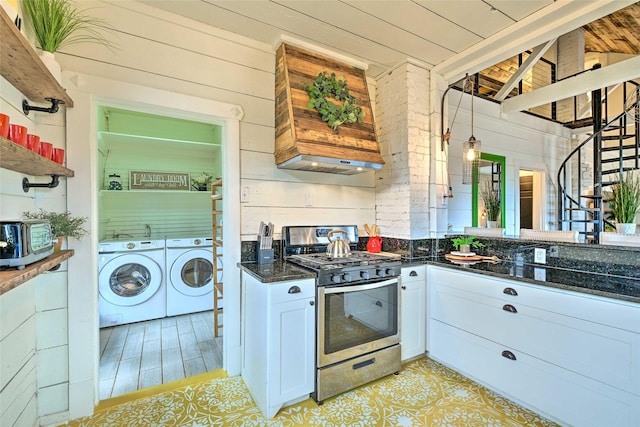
column 58, row 23
column 63, row 224
column 491, row 200
column 465, row 243
column 200, row 182
column 625, row 202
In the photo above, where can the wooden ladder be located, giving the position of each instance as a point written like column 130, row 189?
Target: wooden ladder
column 216, row 216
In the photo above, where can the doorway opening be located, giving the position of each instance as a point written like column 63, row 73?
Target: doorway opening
column 531, row 199
column 155, row 257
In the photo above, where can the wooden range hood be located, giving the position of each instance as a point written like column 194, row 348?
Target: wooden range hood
column 303, row 140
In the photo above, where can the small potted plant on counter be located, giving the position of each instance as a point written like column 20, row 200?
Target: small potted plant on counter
column 465, row 243
column 62, row 225
column 625, row 202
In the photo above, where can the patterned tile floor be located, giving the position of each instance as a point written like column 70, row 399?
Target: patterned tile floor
column 425, row 393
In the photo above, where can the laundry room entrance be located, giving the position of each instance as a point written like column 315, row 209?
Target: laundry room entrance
column 160, row 248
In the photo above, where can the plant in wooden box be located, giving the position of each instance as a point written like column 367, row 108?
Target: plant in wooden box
column 199, row 183
column 63, row 224
column 491, row 200
column 625, row 202
column 325, row 87
column 57, row 23
column 464, row 244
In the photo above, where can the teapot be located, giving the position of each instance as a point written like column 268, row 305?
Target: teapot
column 338, row 248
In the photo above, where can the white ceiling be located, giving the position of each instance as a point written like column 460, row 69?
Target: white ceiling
column 380, row 33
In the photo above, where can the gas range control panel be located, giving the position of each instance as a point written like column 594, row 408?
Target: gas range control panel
column 358, row 274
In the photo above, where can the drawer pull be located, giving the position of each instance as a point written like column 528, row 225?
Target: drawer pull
column 294, row 290
column 509, row 308
column 510, row 291
column 403, row 287
column 413, row 273
column 364, row 363
column 508, row 355
column 311, row 303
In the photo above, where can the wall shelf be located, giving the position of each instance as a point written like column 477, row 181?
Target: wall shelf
column 10, row 279
column 20, row 159
column 22, row 67
column 120, row 192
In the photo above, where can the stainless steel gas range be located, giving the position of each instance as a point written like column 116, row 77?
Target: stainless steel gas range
column 357, row 308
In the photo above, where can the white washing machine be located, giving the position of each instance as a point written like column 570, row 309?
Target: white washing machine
column 189, row 275
column 131, row 281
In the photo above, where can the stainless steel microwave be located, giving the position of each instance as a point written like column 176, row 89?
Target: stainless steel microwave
column 24, row 242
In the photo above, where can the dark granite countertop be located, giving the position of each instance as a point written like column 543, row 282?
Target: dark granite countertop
column 606, row 285
column 279, row 271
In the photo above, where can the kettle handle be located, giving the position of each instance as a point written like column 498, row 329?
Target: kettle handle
column 332, row 232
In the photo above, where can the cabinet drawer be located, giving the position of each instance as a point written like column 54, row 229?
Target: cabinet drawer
column 291, row 291
column 412, row 274
column 597, row 351
column 619, row 314
column 545, row 388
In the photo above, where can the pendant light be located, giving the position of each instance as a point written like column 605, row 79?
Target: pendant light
column 470, row 150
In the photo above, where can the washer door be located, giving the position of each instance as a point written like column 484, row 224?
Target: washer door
column 129, row 279
column 192, row 273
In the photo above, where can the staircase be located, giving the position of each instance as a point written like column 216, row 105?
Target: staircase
column 596, row 163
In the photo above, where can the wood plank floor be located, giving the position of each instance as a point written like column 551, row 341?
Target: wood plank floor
column 145, row 354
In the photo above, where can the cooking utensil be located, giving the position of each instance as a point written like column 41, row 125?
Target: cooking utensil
column 338, row 248
column 367, row 229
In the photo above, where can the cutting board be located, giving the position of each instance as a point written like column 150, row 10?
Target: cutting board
column 451, row 257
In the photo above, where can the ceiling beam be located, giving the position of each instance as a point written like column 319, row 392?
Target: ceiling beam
column 580, row 84
column 523, row 69
column 549, row 22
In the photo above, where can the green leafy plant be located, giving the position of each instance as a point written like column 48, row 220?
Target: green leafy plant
column 57, row 23
column 467, row 240
column 625, row 198
column 202, row 179
column 325, row 87
column 62, row 223
column 491, row 200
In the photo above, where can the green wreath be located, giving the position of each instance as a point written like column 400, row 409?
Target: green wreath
column 320, row 92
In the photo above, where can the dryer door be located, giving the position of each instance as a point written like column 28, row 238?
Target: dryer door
column 129, row 279
column 192, row 272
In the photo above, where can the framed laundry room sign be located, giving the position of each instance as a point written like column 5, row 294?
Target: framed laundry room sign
column 148, row 180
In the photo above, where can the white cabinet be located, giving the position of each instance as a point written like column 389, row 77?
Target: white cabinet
column 278, row 341
column 535, row 344
column 413, row 303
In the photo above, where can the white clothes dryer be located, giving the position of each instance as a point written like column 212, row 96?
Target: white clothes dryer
column 131, row 281
column 189, row 275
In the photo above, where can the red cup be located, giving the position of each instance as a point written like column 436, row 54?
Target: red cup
column 58, row 155
column 4, row 126
column 33, row 143
column 18, row 134
column 46, row 149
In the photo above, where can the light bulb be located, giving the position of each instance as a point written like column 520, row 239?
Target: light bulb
column 471, row 155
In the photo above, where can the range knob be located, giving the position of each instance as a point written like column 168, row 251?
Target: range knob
column 346, row 277
column 335, row 278
column 389, row 271
column 380, row 272
column 364, row 275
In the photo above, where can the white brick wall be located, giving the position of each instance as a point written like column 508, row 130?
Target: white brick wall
column 402, row 98
column 570, row 61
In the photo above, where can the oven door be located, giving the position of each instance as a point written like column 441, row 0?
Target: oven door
column 356, row 319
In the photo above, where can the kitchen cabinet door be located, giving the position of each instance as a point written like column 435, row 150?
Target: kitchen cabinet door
column 278, row 339
column 413, row 303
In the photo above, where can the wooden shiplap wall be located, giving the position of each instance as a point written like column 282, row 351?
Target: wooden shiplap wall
column 158, row 49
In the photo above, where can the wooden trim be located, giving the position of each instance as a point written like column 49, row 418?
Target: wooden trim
column 10, row 279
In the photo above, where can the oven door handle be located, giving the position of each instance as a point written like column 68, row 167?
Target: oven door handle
column 355, row 288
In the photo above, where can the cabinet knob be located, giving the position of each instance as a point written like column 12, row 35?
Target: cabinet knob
column 294, row 290
column 312, row 303
column 510, row 291
column 403, row 287
column 413, row 273
column 508, row 355
column 509, row 308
